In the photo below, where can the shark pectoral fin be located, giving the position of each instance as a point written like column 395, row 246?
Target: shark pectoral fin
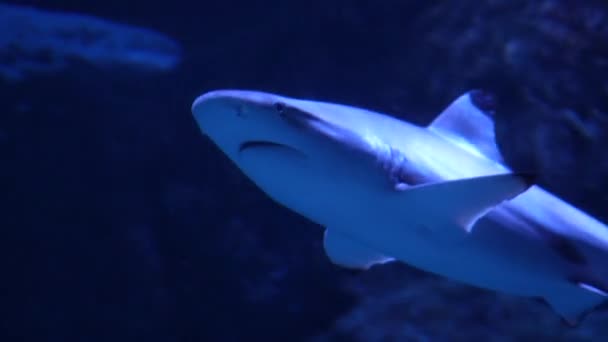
column 464, row 201
column 345, row 252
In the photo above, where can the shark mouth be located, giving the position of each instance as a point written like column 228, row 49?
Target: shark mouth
column 251, row 145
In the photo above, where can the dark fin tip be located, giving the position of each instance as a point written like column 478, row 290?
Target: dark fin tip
column 602, row 307
column 354, row 272
column 566, row 250
column 483, row 100
column 528, row 177
column 571, row 324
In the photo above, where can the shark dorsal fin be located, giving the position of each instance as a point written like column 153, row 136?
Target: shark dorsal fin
column 467, row 122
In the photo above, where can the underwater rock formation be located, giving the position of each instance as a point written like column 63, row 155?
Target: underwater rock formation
column 34, row 41
column 397, row 304
column 545, row 61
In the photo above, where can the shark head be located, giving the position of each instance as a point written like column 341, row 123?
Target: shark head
column 242, row 123
column 289, row 147
column 243, row 120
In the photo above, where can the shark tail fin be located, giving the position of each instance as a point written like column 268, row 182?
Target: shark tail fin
column 574, row 306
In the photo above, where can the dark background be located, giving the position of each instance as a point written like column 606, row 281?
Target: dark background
column 121, row 222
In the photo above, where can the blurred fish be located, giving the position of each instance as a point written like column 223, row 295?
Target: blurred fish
column 438, row 198
column 35, row 41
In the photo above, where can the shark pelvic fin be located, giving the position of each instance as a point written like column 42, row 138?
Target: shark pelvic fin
column 467, row 122
column 462, row 202
column 345, row 252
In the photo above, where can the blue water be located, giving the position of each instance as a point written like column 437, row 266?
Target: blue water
column 121, row 222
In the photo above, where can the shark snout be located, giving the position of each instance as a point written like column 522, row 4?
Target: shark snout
column 246, row 122
column 242, row 96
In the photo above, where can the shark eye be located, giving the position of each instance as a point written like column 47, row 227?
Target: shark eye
column 280, row 107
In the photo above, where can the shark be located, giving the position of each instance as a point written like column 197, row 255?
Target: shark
column 437, row 197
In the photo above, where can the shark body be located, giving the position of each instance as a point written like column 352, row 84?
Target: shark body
column 439, row 197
